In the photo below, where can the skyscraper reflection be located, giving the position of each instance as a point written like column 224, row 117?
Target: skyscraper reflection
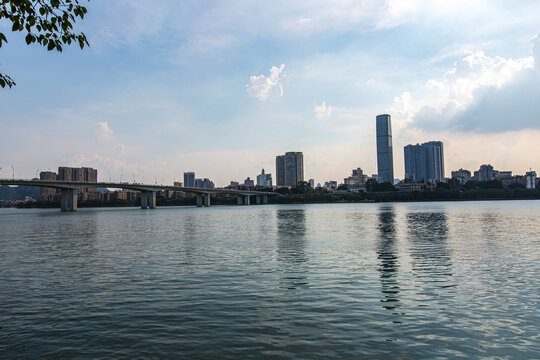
column 291, row 230
column 431, row 261
column 387, row 254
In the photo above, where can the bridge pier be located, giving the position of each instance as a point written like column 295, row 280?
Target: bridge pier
column 265, row 199
column 239, row 200
column 148, row 199
column 246, row 199
column 258, row 199
column 68, row 200
column 199, row 200
column 206, row 200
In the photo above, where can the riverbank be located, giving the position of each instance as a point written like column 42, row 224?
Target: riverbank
column 317, row 198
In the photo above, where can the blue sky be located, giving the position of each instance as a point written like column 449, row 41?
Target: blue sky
column 222, row 87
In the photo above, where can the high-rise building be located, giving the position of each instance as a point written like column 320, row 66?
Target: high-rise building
column 204, row 183
column 289, row 168
column 48, row 194
column 189, row 179
column 84, row 174
column 385, row 158
column 424, row 162
column 77, row 174
column 280, row 170
column 264, row 180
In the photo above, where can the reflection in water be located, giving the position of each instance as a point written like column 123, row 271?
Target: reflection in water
column 188, row 248
column 491, row 232
column 387, row 254
column 428, row 232
column 291, row 230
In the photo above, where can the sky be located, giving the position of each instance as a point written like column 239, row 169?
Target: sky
column 222, row 87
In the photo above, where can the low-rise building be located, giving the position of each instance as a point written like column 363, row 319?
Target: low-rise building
column 357, row 188
column 413, row 186
column 249, row 183
column 462, row 175
column 530, row 180
column 330, row 185
column 264, row 180
column 234, row 185
column 357, row 178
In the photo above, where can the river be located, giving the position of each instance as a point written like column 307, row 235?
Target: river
column 407, row 280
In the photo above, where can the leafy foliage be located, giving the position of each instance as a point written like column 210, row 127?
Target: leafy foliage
column 373, row 186
column 46, row 22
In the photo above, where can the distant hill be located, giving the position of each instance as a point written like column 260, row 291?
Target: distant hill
column 18, row 192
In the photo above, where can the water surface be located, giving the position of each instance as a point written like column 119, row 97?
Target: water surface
column 409, row 280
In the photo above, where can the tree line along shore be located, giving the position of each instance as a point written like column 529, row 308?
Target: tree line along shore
column 304, row 194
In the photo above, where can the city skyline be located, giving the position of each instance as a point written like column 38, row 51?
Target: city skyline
column 140, row 101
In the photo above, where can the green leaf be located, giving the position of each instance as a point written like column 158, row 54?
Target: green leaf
column 51, row 45
column 29, row 39
column 2, row 83
column 2, row 38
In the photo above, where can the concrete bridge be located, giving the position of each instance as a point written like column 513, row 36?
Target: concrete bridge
column 69, row 190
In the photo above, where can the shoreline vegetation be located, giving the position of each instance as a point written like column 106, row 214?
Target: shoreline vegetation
column 318, row 198
column 303, row 193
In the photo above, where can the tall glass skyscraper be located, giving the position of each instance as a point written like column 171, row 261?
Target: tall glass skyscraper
column 385, row 158
column 424, row 162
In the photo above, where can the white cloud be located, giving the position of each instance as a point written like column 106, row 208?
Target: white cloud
column 535, row 50
column 402, row 111
column 473, row 71
column 121, row 148
column 104, row 132
column 260, row 86
column 483, row 93
column 322, row 111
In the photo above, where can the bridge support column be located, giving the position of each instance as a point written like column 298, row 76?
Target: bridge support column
column 258, row 199
column 206, row 200
column 68, row 200
column 239, row 200
column 199, row 200
column 246, row 199
column 265, row 199
column 144, row 201
column 148, row 199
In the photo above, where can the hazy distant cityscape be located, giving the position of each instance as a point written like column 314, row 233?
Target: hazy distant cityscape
column 424, row 170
